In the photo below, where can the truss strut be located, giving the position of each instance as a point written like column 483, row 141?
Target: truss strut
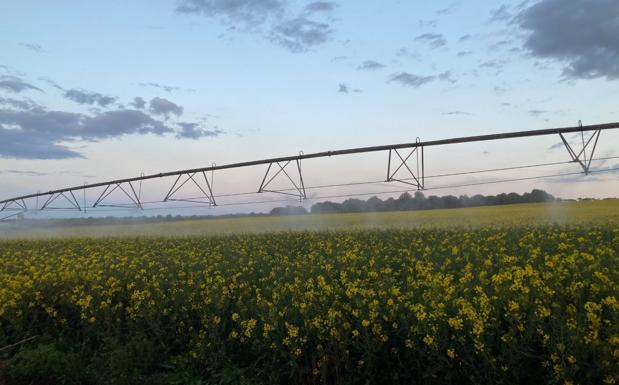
column 299, row 186
column 133, row 196
column 207, row 192
column 413, row 178
column 582, row 158
column 68, row 197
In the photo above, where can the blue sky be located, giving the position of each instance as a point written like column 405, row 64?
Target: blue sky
column 96, row 90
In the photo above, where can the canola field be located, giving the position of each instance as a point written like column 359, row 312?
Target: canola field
column 510, row 303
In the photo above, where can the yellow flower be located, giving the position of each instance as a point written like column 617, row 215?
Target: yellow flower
column 428, row 340
column 455, row 323
column 571, row 359
column 451, row 353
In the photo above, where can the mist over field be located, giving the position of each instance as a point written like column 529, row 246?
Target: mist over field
column 561, row 213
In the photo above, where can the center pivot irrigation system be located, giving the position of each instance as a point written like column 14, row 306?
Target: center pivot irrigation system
column 405, row 160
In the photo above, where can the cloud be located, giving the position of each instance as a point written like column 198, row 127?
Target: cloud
column 410, row 80
column 36, row 134
column 52, row 83
column 581, row 34
column 25, row 172
column 345, row 89
column 464, row 53
column 138, row 103
column 404, row 52
column 502, row 13
column 537, row 113
column 89, row 97
column 25, row 104
column 33, row 47
column 435, row 40
column 320, row 6
column 501, row 44
column 447, row 76
column 456, row 113
column 465, row 38
column 556, row 146
column 428, row 23
column 27, row 145
column 493, row 64
column 247, row 12
column 121, row 122
column 164, row 87
column 64, row 125
column 370, row 65
column 29, row 130
column 164, row 107
column 194, row 131
column 15, row 84
column 447, row 10
column 297, row 33
column 501, row 89
column 300, row 34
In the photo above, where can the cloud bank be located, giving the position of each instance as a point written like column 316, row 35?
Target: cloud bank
column 582, row 35
column 296, row 31
column 29, row 130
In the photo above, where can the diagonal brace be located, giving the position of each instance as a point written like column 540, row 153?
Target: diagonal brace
column 298, row 186
column 582, row 158
column 207, row 192
column 133, row 196
column 417, row 176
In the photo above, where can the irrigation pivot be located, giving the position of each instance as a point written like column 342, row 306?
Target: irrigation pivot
column 406, row 158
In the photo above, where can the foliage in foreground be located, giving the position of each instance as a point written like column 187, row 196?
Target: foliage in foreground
column 524, row 304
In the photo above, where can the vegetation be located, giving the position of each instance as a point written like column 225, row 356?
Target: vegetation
column 418, row 201
column 549, row 213
column 511, row 304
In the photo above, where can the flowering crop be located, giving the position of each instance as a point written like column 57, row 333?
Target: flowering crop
column 519, row 304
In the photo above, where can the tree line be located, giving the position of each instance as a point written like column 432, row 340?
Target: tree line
column 417, row 201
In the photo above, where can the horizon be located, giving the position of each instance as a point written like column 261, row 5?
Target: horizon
column 307, row 208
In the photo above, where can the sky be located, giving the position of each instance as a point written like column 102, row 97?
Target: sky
column 93, row 91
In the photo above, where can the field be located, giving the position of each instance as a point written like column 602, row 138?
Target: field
column 563, row 213
column 508, row 295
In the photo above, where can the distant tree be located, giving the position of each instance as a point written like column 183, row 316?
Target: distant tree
column 513, row 198
column 374, row 204
column 353, row 206
column 451, row 202
column 405, row 202
column 435, row 202
column 479, row 200
column 289, row 210
column 418, row 201
column 540, row 196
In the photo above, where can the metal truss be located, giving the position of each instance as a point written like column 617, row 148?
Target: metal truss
column 413, row 178
column 299, row 186
column 47, row 205
column 207, row 191
column 130, row 192
column 17, row 207
column 581, row 158
column 405, row 165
